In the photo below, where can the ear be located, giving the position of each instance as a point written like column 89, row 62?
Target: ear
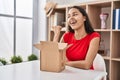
column 84, row 18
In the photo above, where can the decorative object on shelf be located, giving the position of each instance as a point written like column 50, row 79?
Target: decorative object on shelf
column 32, row 57
column 116, row 19
column 59, row 19
column 108, row 52
column 63, row 24
column 49, row 7
column 103, row 17
column 102, row 48
column 16, row 59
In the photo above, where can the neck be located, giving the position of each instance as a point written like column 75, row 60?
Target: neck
column 80, row 33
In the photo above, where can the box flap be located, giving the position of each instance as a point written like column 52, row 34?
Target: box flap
column 62, row 46
column 38, row 46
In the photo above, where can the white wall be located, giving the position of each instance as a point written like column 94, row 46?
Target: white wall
column 42, row 21
column 39, row 24
column 71, row 1
column 39, row 29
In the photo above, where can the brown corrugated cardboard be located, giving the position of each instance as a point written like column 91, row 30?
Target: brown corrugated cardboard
column 52, row 56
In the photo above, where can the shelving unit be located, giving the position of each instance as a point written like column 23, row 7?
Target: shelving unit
column 110, row 36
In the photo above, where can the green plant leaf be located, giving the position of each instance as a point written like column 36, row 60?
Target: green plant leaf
column 32, row 57
column 3, row 61
column 16, row 59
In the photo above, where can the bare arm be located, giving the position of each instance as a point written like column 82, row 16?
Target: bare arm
column 92, row 51
column 56, row 37
column 56, row 30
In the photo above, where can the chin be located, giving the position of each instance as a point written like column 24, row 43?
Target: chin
column 74, row 28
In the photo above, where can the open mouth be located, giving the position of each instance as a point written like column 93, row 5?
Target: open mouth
column 73, row 22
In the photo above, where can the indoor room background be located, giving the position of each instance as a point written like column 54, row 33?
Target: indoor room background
column 23, row 23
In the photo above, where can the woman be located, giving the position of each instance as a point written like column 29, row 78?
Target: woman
column 83, row 41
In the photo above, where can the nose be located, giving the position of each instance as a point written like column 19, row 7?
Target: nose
column 71, row 18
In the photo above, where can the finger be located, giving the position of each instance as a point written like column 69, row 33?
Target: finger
column 59, row 26
column 53, row 27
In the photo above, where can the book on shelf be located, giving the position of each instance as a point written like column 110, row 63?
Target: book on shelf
column 116, row 19
column 51, row 21
column 59, row 19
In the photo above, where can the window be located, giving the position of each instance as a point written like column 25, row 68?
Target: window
column 6, row 37
column 23, row 37
column 16, row 19
column 7, row 7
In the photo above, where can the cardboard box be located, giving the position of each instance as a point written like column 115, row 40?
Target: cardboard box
column 52, row 56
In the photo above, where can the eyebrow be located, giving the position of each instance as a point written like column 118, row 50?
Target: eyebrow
column 73, row 13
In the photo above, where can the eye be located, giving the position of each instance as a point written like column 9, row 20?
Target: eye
column 75, row 14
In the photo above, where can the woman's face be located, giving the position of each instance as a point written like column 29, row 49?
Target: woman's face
column 75, row 19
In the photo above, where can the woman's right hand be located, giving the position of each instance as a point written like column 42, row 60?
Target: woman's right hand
column 57, row 29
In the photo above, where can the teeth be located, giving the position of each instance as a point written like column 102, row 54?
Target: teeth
column 72, row 22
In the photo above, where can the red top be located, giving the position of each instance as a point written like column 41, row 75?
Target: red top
column 80, row 47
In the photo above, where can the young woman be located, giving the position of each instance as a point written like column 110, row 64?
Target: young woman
column 82, row 40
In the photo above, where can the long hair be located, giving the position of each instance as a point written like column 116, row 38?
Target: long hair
column 88, row 26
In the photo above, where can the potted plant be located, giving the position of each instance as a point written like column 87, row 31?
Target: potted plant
column 3, row 61
column 16, row 59
column 32, row 57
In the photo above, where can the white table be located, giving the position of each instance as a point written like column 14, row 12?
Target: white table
column 31, row 71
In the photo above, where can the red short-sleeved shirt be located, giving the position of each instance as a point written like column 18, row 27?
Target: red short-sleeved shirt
column 80, row 47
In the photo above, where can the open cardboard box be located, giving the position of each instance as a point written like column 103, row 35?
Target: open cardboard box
column 52, row 56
